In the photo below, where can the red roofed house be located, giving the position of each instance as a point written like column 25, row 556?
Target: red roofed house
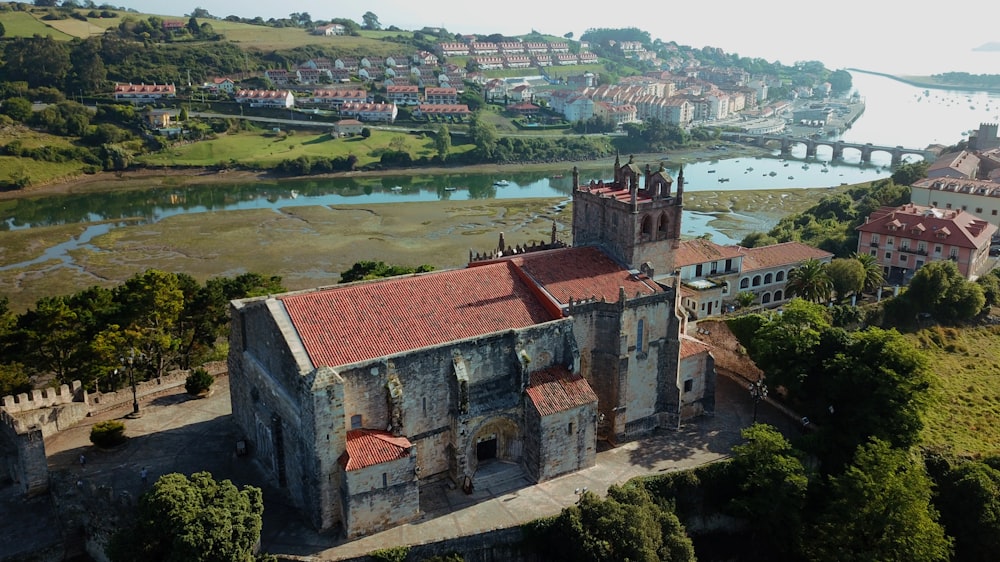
column 906, row 238
column 353, row 396
column 143, row 93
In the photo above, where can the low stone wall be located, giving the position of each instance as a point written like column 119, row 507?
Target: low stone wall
column 43, row 398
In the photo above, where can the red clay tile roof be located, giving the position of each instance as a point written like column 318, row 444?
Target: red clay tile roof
column 699, row 250
column 556, row 389
column 940, row 226
column 775, row 255
column 582, row 273
column 343, row 325
column 368, row 447
column 691, row 346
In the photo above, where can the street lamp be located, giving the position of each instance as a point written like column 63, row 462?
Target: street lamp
column 128, row 363
column 758, row 392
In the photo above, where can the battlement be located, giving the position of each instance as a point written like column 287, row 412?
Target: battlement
column 44, row 398
column 503, row 250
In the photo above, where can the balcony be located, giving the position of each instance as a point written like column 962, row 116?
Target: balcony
column 873, row 244
column 917, row 251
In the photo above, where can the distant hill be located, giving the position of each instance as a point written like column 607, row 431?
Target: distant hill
column 991, row 46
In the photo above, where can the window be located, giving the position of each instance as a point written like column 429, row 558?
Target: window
column 953, row 253
column 688, row 385
column 638, row 337
column 979, row 210
column 934, row 204
column 356, row 421
column 889, row 240
column 744, row 283
column 875, row 238
column 768, row 279
column 765, row 298
column 663, row 223
column 902, row 258
column 698, row 270
column 715, row 267
column 888, row 255
column 729, row 263
column 922, row 246
column 777, row 296
column 937, row 249
column 874, row 253
column 779, row 277
column 947, row 206
column 385, row 479
column 756, row 280
column 569, row 428
column 965, row 208
column 647, row 225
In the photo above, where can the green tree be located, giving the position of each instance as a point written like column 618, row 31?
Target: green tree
column 88, row 71
column 871, row 383
column 151, row 305
column 18, row 109
column 879, row 509
column 847, row 276
column 908, row 173
column 53, row 338
column 3, row 30
column 366, row 270
column 370, row 21
column 874, row 274
column 840, row 81
column 784, row 345
column 772, row 483
column 968, row 497
column 810, row 281
column 192, row 519
column 940, row 289
column 484, row 135
column 745, row 299
column 183, row 115
column 627, row 525
column 442, row 142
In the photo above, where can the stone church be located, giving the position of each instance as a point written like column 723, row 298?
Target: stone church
column 352, row 396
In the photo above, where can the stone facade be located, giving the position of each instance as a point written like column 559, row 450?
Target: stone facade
column 351, row 396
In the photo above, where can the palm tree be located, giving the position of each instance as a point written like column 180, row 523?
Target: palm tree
column 874, row 277
column 810, row 281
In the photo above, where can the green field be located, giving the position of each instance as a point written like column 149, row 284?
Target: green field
column 964, row 413
column 267, row 149
column 265, row 38
column 24, row 24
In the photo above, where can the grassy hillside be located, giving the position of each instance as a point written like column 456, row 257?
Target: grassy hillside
column 267, row 149
column 964, row 412
column 24, row 24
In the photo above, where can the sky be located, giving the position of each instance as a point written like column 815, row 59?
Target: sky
column 879, row 35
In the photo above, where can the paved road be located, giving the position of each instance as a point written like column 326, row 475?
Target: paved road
column 181, row 434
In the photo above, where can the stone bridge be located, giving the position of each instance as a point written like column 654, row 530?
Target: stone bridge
column 866, row 150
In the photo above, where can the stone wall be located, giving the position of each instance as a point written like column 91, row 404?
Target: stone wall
column 381, row 496
column 43, row 398
column 23, row 450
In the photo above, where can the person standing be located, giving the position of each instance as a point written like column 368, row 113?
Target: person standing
column 144, row 475
column 83, row 460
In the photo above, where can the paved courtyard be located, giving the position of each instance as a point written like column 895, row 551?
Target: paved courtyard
column 177, row 433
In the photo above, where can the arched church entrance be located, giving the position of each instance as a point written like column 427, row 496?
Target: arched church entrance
column 494, row 455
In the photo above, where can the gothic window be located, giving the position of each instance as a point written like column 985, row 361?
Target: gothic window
column 745, row 283
column 768, row 279
column 779, row 277
column 639, row 335
column 647, row 226
column 756, row 280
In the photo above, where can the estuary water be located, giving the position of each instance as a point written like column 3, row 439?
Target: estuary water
column 896, row 114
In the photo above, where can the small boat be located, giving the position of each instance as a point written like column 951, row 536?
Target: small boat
column 723, row 180
column 557, row 176
column 786, row 164
column 711, row 171
column 450, row 188
column 295, row 193
column 501, row 183
column 791, row 177
column 396, row 188
column 772, row 174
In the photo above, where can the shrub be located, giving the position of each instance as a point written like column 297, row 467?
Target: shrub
column 198, row 381
column 107, row 433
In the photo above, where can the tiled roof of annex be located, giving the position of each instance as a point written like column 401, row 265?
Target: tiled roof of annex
column 556, row 390
column 582, row 273
column 363, row 321
column 691, row 346
column 776, row 255
column 368, row 447
column 699, row 250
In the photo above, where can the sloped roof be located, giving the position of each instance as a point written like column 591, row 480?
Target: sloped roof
column 699, row 250
column 691, row 346
column 556, row 389
column 581, row 273
column 344, row 325
column 939, row 226
column 776, row 255
column 368, row 447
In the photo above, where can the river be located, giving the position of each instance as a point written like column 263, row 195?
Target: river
column 896, row 114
